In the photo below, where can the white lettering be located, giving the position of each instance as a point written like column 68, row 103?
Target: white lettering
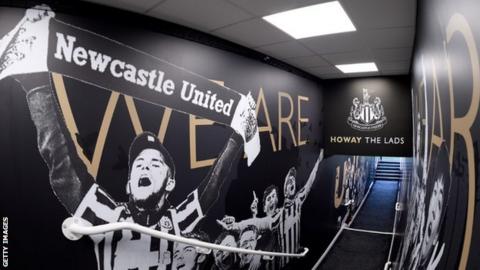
column 64, row 49
column 154, row 79
column 168, row 87
column 227, row 108
column 5, row 242
column 197, row 98
column 142, row 77
column 345, row 139
column 158, row 88
column 80, row 56
column 151, row 80
column 98, row 61
column 219, row 105
column 212, row 100
column 183, row 94
column 130, row 73
column 120, row 64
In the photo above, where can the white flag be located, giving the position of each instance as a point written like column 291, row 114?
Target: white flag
column 244, row 122
column 24, row 49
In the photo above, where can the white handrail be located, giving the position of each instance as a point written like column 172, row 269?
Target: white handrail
column 73, row 228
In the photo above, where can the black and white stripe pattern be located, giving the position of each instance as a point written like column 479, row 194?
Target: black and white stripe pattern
column 129, row 250
column 290, row 227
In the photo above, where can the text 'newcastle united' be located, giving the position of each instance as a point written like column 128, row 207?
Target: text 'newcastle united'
column 152, row 79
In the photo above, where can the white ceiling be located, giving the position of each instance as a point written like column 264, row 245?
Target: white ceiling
column 385, row 31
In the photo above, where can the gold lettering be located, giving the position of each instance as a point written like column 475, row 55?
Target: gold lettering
column 436, row 140
column 137, row 125
column 285, row 120
column 268, row 128
column 134, row 118
column 164, row 124
column 193, row 123
column 462, row 125
column 92, row 167
column 301, row 120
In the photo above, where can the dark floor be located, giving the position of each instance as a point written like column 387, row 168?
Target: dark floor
column 358, row 251
column 364, row 250
column 378, row 212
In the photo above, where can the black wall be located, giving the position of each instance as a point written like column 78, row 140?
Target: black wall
column 34, row 214
column 443, row 231
column 387, row 135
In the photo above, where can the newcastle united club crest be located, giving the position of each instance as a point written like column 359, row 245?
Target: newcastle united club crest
column 367, row 115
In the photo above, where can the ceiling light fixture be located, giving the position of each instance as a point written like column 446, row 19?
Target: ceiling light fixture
column 358, row 67
column 322, row 19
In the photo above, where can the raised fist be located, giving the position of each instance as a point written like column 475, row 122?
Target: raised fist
column 24, row 49
column 38, row 12
column 250, row 118
column 227, row 223
column 254, row 205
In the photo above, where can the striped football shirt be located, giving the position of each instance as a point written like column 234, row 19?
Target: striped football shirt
column 128, row 250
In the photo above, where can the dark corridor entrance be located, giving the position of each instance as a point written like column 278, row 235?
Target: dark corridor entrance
column 366, row 242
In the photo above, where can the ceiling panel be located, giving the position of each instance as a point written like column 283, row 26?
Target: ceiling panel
column 252, row 33
column 307, row 61
column 395, row 72
column 385, row 30
column 394, row 66
column 393, row 55
column 345, row 42
column 323, row 70
column 389, row 37
column 138, row 6
column 349, row 57
column 287, row 49
column 199, row 14
column 332, row 76
column 364, row 74
column 370, row 14
column 267, row 7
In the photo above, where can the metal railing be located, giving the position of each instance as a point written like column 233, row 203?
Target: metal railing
column 74, row 228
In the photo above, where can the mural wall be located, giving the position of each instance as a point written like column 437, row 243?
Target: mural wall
column 111, row 123
column 442, row 225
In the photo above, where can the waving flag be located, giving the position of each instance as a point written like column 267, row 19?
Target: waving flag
column 40, row 43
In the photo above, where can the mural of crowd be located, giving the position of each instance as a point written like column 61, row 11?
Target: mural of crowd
column 431, row 193
column 148, row 197
column 278, row 230
column 151, row 179
column 352, row 180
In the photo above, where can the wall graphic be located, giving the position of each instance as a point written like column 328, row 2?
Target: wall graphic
column 368, row 116
column 112, row 124
column 442, row 221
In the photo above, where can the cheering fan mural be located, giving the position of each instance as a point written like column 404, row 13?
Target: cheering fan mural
column 121, row 135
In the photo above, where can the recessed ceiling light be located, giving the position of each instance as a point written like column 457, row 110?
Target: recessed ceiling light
column 316, row 20
column 359, row 67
